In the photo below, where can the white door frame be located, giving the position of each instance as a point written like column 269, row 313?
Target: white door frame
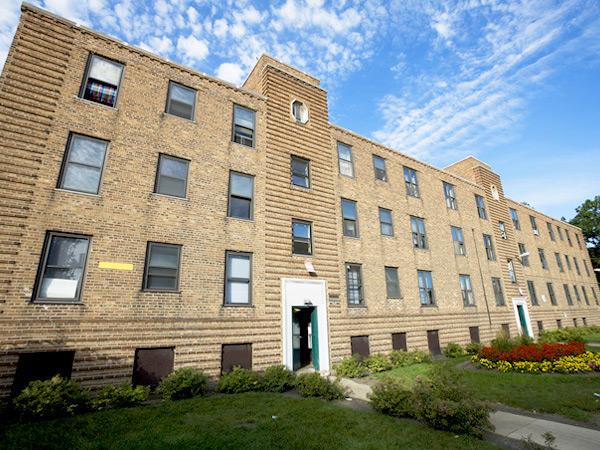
column 303, row 292
column 522, row 301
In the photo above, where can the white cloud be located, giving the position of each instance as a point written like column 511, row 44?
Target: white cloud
column 231, row 72
column 162, row 46
column 192, row 49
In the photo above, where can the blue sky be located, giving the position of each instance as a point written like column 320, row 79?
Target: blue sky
column 513, row 83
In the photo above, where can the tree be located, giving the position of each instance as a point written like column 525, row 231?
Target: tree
column 588, row 219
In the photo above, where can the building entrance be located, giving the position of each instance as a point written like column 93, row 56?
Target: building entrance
column 305, row 338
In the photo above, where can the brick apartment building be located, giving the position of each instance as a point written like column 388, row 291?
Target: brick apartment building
column 154, row 217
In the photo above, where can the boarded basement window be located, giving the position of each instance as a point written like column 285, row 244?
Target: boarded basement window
column 360, row 346
column 152, row 364
column 474, row 332
column 399, row 341
column 506, row 329
column 540, row 325
column 236, row 355
column 433, row 341
column 41, row 366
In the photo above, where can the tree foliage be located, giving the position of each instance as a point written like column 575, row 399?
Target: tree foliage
column 588, row 219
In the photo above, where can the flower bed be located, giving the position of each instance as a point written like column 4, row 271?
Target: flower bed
column 540, row 352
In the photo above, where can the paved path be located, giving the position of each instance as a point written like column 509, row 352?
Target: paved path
column 518, row 426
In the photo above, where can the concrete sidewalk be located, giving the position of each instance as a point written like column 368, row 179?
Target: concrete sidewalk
column 519, row 426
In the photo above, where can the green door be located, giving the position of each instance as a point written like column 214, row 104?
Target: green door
column 522, row 319
column 314, row 324
column 296, row 339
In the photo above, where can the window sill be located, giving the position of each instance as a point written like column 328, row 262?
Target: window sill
column 353, row 237
column 470, row 306
column 304, row 188
column 112, row 108
column 428, row 306
column 161, row 291
column 89, row 194
column 358, row 306
column 238, row 305
column 166, row 114
column 55, row 302
column 395, row 298
column 243, row 145
column 157, row 194
column 346, row 176
column 303, row 256
column 241, row 218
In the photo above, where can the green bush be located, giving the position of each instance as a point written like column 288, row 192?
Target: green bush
column 186, row 382
column 400, row 358
column 52, row 398
column 278, row 379
column 124, row 396
column 473, row 348
column 239, row 380
column 568, row 334
column 454, row 350
column 351, row 367
column 391, row 398
column 378, row 363
column 314, row 385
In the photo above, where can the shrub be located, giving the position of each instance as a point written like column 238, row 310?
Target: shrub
column 55, row 397
column 473, row 348
column 502, row 341
column 400, row 358
column 378, row 363
column 186, row 382
column 391, row 398
column 568, row 334
column 278, row 379
column 351, row 367
column 454, row 350
column 314, row 385
column 124, row 396
column 239, row 380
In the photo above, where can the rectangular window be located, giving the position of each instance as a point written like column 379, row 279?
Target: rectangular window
column 172, row 176
column 301, row 238
column 560, row 235
column 480, row 207
column 345, row 160
column 426, row 288
column 161, row 272
column 241, row 196
column 181, row 101
column 559, row 262
column 418, row 231
column 102, row 81
column 515, row 219
column 502, row 230
column 524, row 259
column 551, row 231
column 459, row 243
column 578, row 241
column 467, row 290
column 558, row 323
column 62, row 269
column 83, row 164
column 392, row 283
column 569, row 238
column 300, row 172
column 585, row 297
column 450, row 197
column 568, row 294
column 379, row 166
column 532, row 294
column 587, row 269
column 354, row 285
column 243, row 125
column 534, row 226
column 540, row 325
column 575, row 322
column 236, row 355
column 552, row 294
column 238, row 278
column 576, row 265
column 511, row 271
column 489, row 247
column 543, row 258
column 595, row 296
column 577, row 293
column 568, row 262
column 474, row 334
column 583, row 319
column 399, row 341
column 412, row 184
column 497, row 285
column 385, row 220
column 350, row 218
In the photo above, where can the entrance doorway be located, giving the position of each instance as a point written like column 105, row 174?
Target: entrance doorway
column 305, row 337
column 522, row 316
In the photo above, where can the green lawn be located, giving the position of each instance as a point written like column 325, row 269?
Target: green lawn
column 592, row 338
column 242, row 421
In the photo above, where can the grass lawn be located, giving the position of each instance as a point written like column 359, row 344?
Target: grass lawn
column 592, row 338
column 242, row 421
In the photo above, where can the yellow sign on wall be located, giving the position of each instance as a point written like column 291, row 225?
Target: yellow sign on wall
column 117, row 266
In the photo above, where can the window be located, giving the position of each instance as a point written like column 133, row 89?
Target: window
column 543, row 258
column 524, row 259
column 459, row 243
column 450, row 197
column 576, row 265
column 83, row 164
column 532, row 294
column 467, row 290
column 578, row 241
column 238, row 278
column 241, row 194
column 534, row 225
column 181, row 101
column 102, row 81
column 559, row 262
column 540, row 325
column 575, row 322
column 172, row 176
column 558, row 323
column 151, row 365
column 595, row 296
column 577, row 293
column 412, row 184
column 585, row 297
column 569, row 238
column 354, row 285
column 350, row 218
column 301, row 238
column 243, row 125
column 497, row 285
column 392, row 283
column 299, row 111
column 480, row 206
column 583, row 319
column 385, row 220
column 502, row 230
column 515, row 219
column 418, row 231
column 345, row 160
column 489, row 247
column 560, row 235
column 236, row 355
column 550, row 231
column 552, row 294
column 162, row 267
column 380, row 171
column 426, row 288
column 587, row 269
column 568, row 295
column 300, row 172
column 511, row 271
column 568, row 262
column 62, row 268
